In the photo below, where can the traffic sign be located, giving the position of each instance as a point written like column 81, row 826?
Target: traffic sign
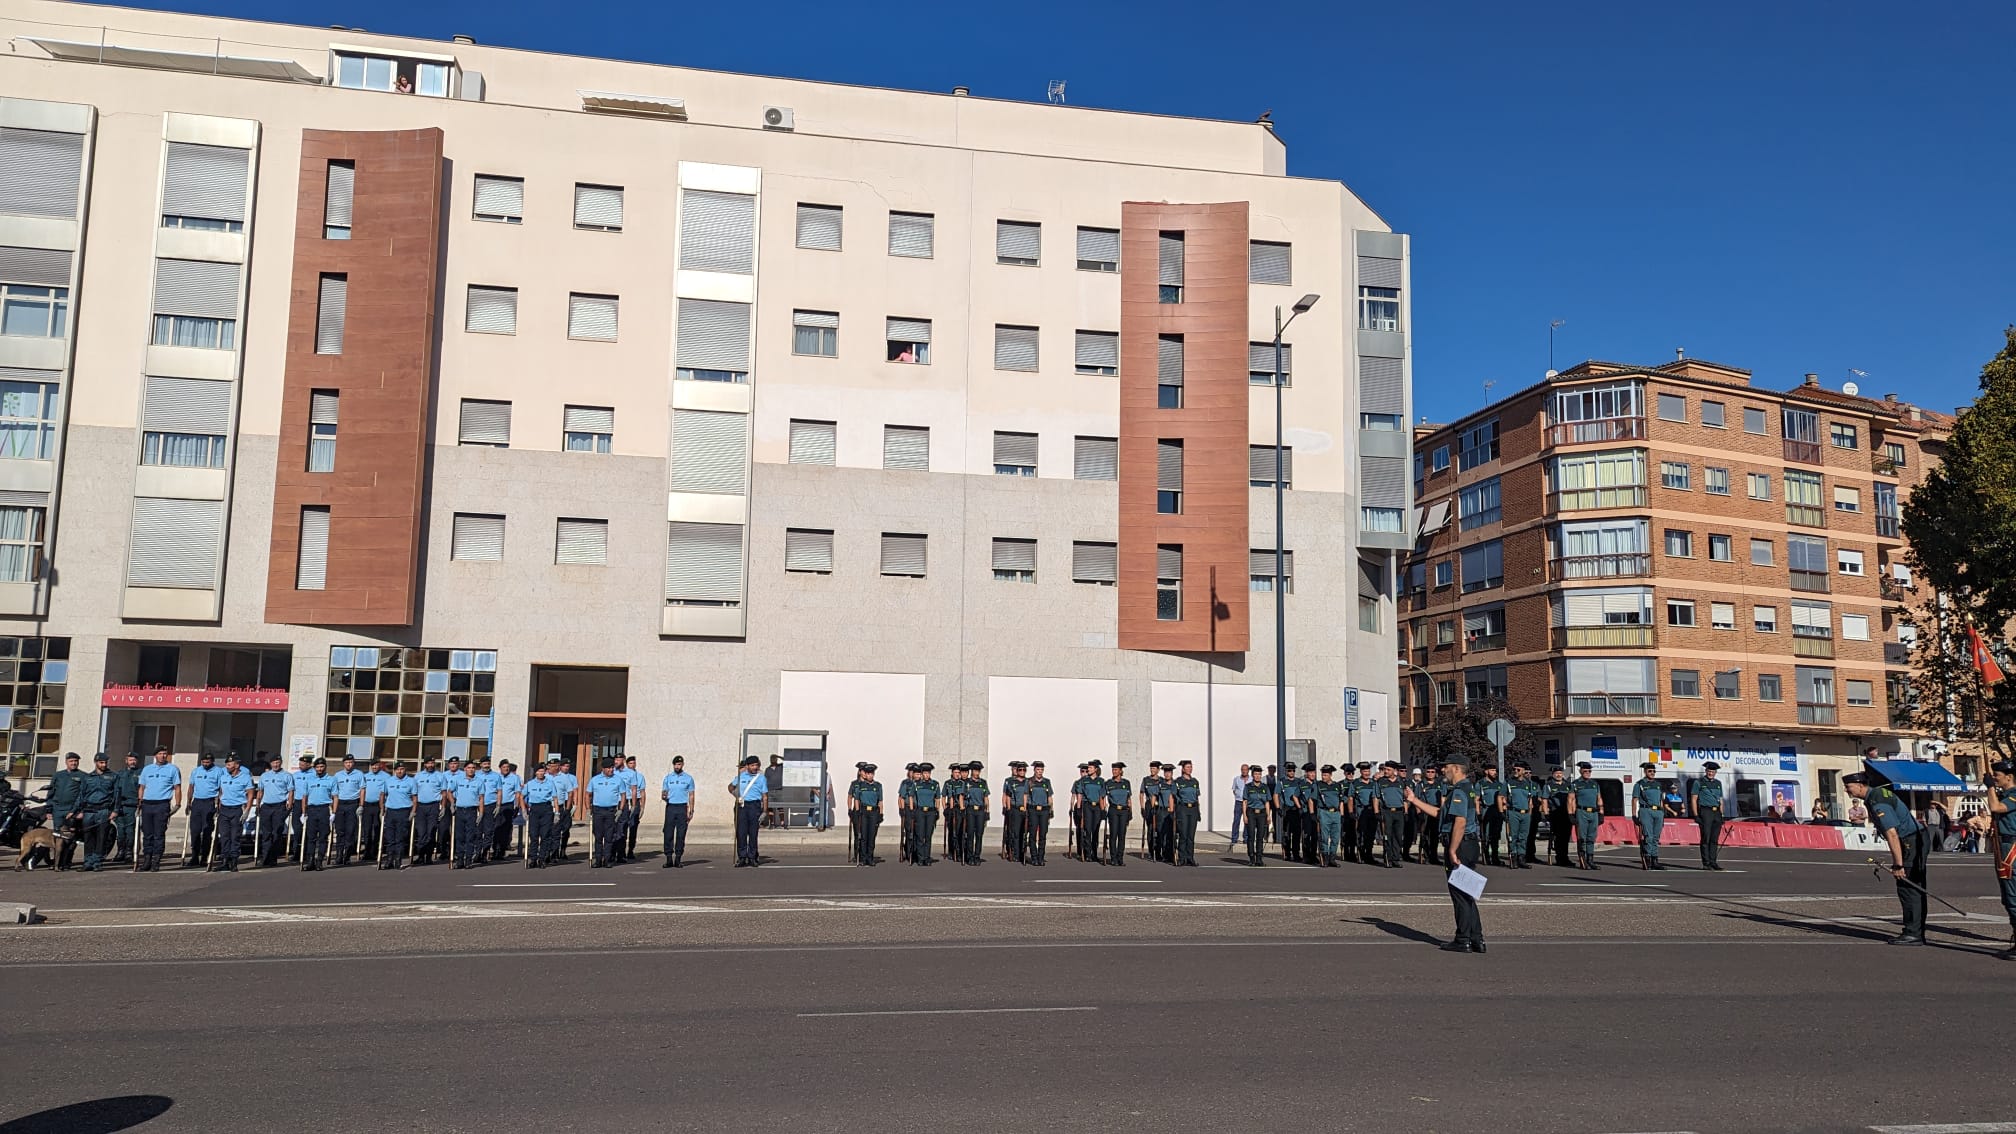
column 1350, row 709
column 1500, row 732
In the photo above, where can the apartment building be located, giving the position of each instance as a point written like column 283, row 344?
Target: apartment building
column 404, row 398
column 1670, row 563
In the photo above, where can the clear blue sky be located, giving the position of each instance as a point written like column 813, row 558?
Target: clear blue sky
column 1783, row 185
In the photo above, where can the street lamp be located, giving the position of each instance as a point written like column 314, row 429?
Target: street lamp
column 1280, row 548
column 1406, row 665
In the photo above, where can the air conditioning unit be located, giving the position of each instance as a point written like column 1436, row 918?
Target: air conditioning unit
column 779, row 118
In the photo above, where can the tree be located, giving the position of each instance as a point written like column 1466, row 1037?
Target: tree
column 1961, row 523
column 1458, row 733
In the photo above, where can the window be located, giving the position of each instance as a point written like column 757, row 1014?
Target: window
column 40, row 312
column 1847, row 499
column 1760, row 486
column 1015, row 560
column 1815, row 688
column 455, row 718
column 311, row 561
column 1169, row 477
column 1680, row 612
column 1439, row 459
column 485, row 423
column 1679, row 544
column 1381, row 520
column 1097, row 352
column 1485, row 683
column 1169, row 582
column 184, row 422
column 1484, row 629
column 1850, row 562
column 909, row 341
column 598, row 208
column 1479, row 444
column 1807, row 559
column 712, row 343
column 1169, row 371
column 1855, row 627
column 1260, row 466
column 1802, row 499
column 1753, row 421
column 1894, row 453
column 1728, row 686
column 907, row 447
column 322, row 411
column 1844, row 435
column 476, row 538
column 338, row 193
column 1719, row 549
column 710, row 454
column 717, row 233
column 195, row 304
column 1714, row 415
column 588, row 429
column 1764, row 619
column 1445, row 632
column 28, row 417
column 1600, row 480
column 591, row 317
column 1098, row 249
column 1015, row 348
column 1478, row 504
column 204, row 188
column 1095, row 563
column 703, row 563
column 331, row 303
column 1169, row 268
column 1859, row 694
column 1599, row 413
column 1770, row 687
column 1888, row 522
column 1445, row 574
column 1672, row 407
column 1269, row 262
column 500, row 199
column 1445, row 693
column 182, row 450
column 819, row 227
column 391, row 73
column 1483, row 566
column 1803, row 427
column 1378, row 308
column 808, row 550
column 1597, row 548
column 1018, row 243
column 20, row 543
column 1722, row 616
column 1674, row 474
column 903, row 555
column 1714, row 481
column 491, row 310
column 1368, row 614
column 584, row 542
column 1014, row 454
column 811, row 443
column 1686, row 682
column 1380, row 422
column 911, row 234
column 815, row 333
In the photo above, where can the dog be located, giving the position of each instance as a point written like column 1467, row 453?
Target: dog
column 38, row 849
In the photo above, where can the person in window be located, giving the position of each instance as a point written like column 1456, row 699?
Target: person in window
column 404, row 85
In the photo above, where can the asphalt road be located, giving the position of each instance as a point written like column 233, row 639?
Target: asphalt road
column 805, row 996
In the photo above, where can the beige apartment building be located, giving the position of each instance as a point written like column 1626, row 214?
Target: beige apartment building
column 1670, row 563
column 409, row 398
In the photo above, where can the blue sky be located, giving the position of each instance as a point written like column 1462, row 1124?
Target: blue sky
column 1783, row 185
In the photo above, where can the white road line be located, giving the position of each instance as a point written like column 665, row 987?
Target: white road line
column 663, row 907
column 252, row 915
column 1617, row 885
column 1950, row 1128
column 476, row 911
column 808, row 866
column 945, row 1012
column 1096, row 881
column 533, row 885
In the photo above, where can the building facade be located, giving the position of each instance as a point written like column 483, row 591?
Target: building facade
column 1668, row 563
column 405, row 398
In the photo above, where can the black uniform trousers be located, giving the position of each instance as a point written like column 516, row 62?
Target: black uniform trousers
column 1560, row 824
column 95, row 832
column 501, row 828
column 748, row 820
column 1151, row 821
column 1469, row 926
column 295, row 813
column 1711, row 837
column 1291, row 833
column 866, row 824
column 1431, row 841
column 426, row 822
column 1165, row 819
column 1347, row 834
column 371, row 824
column 677, row 816
column 1186, row 834
column 346, row 829
column 1395, row 824
column 398, row 828
column 1911, row 889
column 605, row 824
column 1368, row 830
column 1256, row 834
column 1116, row 835
column 976, row 834
column 202, row 828
column 1091, row 822
column 563, row 828
column 468, row 834
column 153, row 827
column 538, row 833
column 272, row 832
column 315, row 835
column 925, row 829
column 229, row 835
column 1492, row 824
column 1039, row 835
column 1015, row 828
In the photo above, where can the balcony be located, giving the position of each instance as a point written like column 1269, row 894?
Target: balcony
column 1811, row 712
column 1622, row 565
column 1804, row 452
column 1806, row 515
column 1607, row 704
column 1620, row 496
column 1888, row 527
column 1882, row 466
column 1596, row 430
column 1811, row 644
column 1809, row 581
column 1604, row 637
column 1477, row 642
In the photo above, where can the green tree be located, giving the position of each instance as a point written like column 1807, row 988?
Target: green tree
column 1458, row 732
column 1961, row 523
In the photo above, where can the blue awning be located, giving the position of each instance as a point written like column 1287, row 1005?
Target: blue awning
column 1917, row 775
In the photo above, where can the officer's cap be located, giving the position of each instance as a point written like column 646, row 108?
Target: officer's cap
column 319, row 761
column 1038, row 764
column 1584, row 764
column 1117, row 765
column 1091, row 763
column 678, row 759
column 926, row 768
column 207, row 756
column 1522, row 765
column 748, row 760
column 2003, row 767
column 1184, row 763
column 867, row 767
column 1309, row 767
column 1364, row 765
column 1856, row 778
column 1018, row 763
column 1329, row 768
column 1649, row 766
column 98, row 759
column 1154, row 763
column 607, row 762
column 860, row 765
column 1452, row 762
column 1711, row 766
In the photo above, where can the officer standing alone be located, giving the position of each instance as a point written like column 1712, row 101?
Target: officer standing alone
column 1585, row 808
column 749, row 790
column 1259, row 797
column 1456, row 815
column 677, row 790
column 864, row 812
column 1705, row 799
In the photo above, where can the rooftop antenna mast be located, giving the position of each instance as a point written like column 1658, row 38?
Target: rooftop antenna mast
column 1488, row 383
column 1056, row 92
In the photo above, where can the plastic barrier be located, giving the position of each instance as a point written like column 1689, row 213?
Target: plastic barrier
column 1747, row 835
column 1800, row 836
column 1862, row 838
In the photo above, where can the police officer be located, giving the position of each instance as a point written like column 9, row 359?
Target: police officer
column 1649, row 796
column 126, row 807
column 924, row 800
column 1490, row 796
column 404, row 803
column 679, row 792
column 539, row 794
column 1151, row 809
column 1523, row 796
column 633, row 817
column 92, row 811
column 1092, row 818
column 466, row 795
column 297, row 813
column 906, row 817
column 1561, row 813
column 1328, row 802
column 2002, row 838
column 1075, row 810
column 978, row 805
column 1392, row 811
column 608, row 791
column 1705, row 800
column 749, row 792
column 202, row 810
column 234, row 792
column 491, row 789
column 1259, row 798
column 1015, row 811
column 510, row 789
column 1288, row 813
column 864, row 812
column 1042, row 807
column 65, row 787
column 1116, row 799
column 348, row 786
column 1456, row 815
column 1909, row 845
column 1186, row 796
column 430, row 789
column 314, row 795
column 565, row 786
column 1585, row 810
column 1430, row 789
column 276, row 791
column 951, row 801
column 371, row 815
column 1365, row 811
column 160, row 797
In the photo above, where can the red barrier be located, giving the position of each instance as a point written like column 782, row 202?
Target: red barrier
column 1619, row 831
column 1802, row 837
column 1747, row 834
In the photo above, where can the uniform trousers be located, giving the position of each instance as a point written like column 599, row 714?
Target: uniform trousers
column 346, row 829
column 1256, row 834
column 1116, row 835
column 866, row 823
column 1711, row 836
column 1368, row 829
column 468, row 833
column 604, row 824
column 1561, row 823
column 538, row 832
column 272, row 832
column 316, row 835
column 1587, row 823
column 1911, row 888
column 1039, row 834
column 502, row 824
column 1518, row 828
column 398, row 828
column 924, row 830
column 95, row 831
column 1491, row 825
column 426, row 823
column 202, row 828
column 230, row 835
column 1469, row 926
column 1329, row 826
column 153, row 827
column 1015, row 825
column 1650, row 824
column 748, row 818
column 371, row 824
column 677, row 815
column 295, row 816
column 1395, row 824
column 1186, row 834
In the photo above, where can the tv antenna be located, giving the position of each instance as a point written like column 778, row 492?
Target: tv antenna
column 1056, row 92
column 1488, row 383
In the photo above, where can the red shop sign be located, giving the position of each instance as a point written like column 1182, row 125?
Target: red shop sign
column 243, row 699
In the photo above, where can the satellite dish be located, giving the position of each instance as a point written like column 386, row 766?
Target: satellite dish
column 1850, row 388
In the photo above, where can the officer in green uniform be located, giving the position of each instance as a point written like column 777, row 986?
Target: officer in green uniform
column 1185, row 798
column 1288, row 812
column 1909, row 844
column 1092, row 816
column 126, row 806
column 1490, row 794
column 924, row 805
column 1648, row 798
column 978, row 807
column 94, row 812
column 1116, row 800
column 1328, row 802
column 1585, row 808
column 65, row 788
column 1522, row 798
column 1015, row 812
column 1151, row 802
column 2002, row 840
column 1455, row 812
column 1705, row 800
column 864, row 811
column 1392, row 811
column 1311, row 840
column 951, row 802
column 1561, row 814
column 1042, row 807
column 1365, row 811
column 1259, row 796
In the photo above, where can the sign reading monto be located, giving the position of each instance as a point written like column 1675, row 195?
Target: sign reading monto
column 230, row 698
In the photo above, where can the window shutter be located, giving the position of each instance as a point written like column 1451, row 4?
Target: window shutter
column 1014, row 555
column 1377, row 271
column 1260, row 464
column 713, row 335
column 1260, row 562
column 703, row 562
column 1371, row 576
column 1015, row 449
column 500, row 196
column 1100, row 244
column 1260, row 358
column 205, row 181
column 824, row 319
column 902, row 554
column 330, row 307
column 588, row 419
column 1169, row 360
column 910, row 330
column 819, row 227
column 1169, row 259
column 1014, row 348
column 710, row 451
column 1382, row 481
column 189, row 287
column 485, row 423
column 591, row 317
column 1268, row 262
column 1169, row 466
column 1016, row 240
column 322, row 406
column 581, row 541
column 598, row 206
column 311, row 568
column 1094, row 563
column 1169, row 563
column 811, row 443
column 43, row 267
column 1096, row 458
column 476, row 537
column 718, row 233
column 1474, row 622
column 808, row 550
column 39, row 172
column 1098, row 348
column 910, row 235
column 187, row 405
column 493, row 309
column 175, row 543
column 1381, row 386
column 906, row 447
column 339, row 197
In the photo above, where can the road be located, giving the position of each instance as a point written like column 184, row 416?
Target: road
column 819, row 997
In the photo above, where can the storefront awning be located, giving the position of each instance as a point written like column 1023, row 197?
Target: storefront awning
column 1917, row 775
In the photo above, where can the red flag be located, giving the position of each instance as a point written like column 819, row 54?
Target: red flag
column 1991, row 673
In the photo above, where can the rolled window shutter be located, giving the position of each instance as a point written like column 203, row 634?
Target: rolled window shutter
column 1382, row 388
column 1169, row 360
column 192, row 287
column 39, row 172
column 713, row 335
column 1260, row 359
column 591, row 317
column 476, row 537
column 1014, row 555
column 910, row 330
column 811, row 443
column 1098, row 348
column 311, row 567
column 1169, row 259
column 588, row 419
column 330, row 308
column 1268, row 262
column 718, row 232
column 1260, row 463
column 187, row 405
column 1382, row 481
column 703, row 562
column 910, row 234
column 1584, row 608
column 1169, row 466
column 1474, row 622
column 323, row 406
column 827, row 319
column 1260, row 562
column 903, row 554
column 1015, row 449
column 500, row 196
column 205, row 181
column 43, row 267
column 1014, row 348
column 806, row 549
column 906, row 447
column 340, row 194
column 581, row 541
column 1169, row 563
column 493, row 309
column 1099, row 244
column 485, row 423
column 1016, row 240
column 598, row 206
column 1096, row 458
column 819, row 227
column 1370, row 577
column 710, row 452
column 1377, row 271
column 1094, row 563
column 175, row 543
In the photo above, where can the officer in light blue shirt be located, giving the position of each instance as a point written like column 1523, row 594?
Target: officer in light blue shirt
column 160, row 797
column 371, row 816
column 677, row 790
column 430, row 790
column 470, row 809
column 349, row 800
column 234, row 791
column 540, row 792
column 608, row 797
column 493, row 788
column 297, row 813
column 565, row 784
column 402, row 793
column 276, row 791
column 749, row 789
column 633, row 812
column 504, row 817
column 202, row 809
column 317, row 794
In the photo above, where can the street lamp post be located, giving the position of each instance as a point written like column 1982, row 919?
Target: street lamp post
column 1406, row 665
column 1280, row 547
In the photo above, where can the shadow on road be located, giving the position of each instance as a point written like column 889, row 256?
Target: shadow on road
column 99, row 1116
column 1405, row 932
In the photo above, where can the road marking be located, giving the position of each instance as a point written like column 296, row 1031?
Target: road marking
column 533, row 885
column 253, row 915
column 809, row 866
column 1950, row 1128
column 662, row 907
column 1095, row 881
column 945, row 1012
column 1614, row 885
column 475, row 911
